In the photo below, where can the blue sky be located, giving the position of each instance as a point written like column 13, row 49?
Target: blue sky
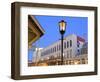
column 75, row 25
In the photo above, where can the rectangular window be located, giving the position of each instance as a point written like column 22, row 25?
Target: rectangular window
column 51, row 50
column 78, row 52
column 67, row 54
column 70, row 43
column 77, row 45
column 59, row 47
column 67, row 44
column 64, row 45
column 55, row 48
column 71, row 53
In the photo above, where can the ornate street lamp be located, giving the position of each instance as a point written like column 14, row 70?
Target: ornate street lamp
column 62, row 29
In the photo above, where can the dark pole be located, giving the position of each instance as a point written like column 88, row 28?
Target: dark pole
column 62, row 25
column 61, row 49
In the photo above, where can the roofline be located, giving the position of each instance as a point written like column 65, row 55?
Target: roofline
column 37, row 23
column 59, row 40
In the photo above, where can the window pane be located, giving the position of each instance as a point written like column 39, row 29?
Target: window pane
column 70, row 43
column 64, row 44
column 67, row 44
column 59, row 47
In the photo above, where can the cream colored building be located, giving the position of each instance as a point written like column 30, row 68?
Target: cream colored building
column 37, row 55
column 73, row 51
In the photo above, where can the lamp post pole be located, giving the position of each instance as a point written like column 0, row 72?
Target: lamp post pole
column 62, row 29
column 62, row 49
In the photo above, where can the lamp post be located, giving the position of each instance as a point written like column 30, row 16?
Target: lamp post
column 62, row 28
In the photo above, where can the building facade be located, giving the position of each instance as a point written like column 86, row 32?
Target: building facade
column 37, row 55
column 75, row 51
